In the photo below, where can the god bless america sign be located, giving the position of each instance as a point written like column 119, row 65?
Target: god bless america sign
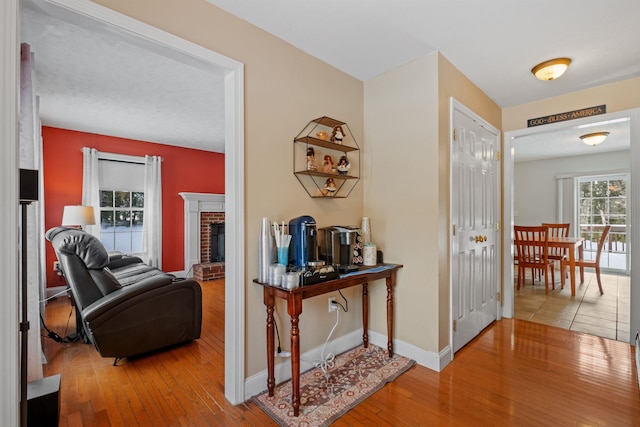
column 569, row 115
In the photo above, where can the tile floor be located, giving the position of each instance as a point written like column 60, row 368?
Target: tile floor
column 601, row 315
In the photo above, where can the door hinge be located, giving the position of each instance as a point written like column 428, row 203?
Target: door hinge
column 455, row 326
column 498, row 226
column 455, row 134
column 498, row 156
column 454, row 229
column 499, row 296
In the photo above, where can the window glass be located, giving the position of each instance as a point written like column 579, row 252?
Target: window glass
column 121, row 220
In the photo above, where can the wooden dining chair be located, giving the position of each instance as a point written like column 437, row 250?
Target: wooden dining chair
column 532, row 247
column 557, row 230
column 589, row 263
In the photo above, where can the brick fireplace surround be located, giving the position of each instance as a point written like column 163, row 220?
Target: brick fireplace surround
column 200, row 210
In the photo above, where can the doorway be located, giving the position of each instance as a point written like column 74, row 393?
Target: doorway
column 92, row 14
column 632, row 117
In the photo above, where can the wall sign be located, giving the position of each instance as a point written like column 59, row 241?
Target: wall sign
column 569, row 115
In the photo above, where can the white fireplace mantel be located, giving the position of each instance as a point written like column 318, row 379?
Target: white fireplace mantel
column 194, row 204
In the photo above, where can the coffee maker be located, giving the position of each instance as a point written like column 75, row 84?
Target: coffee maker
column 304, row 244
column 337, row 246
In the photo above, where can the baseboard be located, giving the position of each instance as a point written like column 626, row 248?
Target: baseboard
column 55, row 290
column 428, row 359
column 257, row 383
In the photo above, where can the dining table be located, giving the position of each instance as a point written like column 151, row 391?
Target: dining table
column 570, row 244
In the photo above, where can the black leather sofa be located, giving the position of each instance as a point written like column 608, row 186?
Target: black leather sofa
column 127, row 307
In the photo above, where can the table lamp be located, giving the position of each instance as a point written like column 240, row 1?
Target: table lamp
column 78, row 216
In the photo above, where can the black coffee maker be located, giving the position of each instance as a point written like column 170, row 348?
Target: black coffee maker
column 304, row 243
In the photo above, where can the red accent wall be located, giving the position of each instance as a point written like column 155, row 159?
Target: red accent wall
column 183, row 170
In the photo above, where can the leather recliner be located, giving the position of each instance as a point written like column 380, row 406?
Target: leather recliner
column 150, row 310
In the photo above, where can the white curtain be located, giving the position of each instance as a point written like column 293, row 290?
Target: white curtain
column 31, row 158
column 91, row 186
column 152, row 224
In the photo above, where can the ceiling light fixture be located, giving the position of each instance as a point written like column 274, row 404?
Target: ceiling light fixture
column 594, row 139
column 552, row 69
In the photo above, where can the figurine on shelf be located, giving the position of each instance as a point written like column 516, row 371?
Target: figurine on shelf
column 322, row 135
column 343, row 165
column 327, row 166
column 329, row 187
column 311, row 159
column 337, row 135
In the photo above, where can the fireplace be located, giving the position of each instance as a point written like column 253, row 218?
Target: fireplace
column 216, row 242
column 200, row 210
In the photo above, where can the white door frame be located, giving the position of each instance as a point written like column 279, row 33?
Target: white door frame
column 9, row 303
column 234, row 187
column 633, row 216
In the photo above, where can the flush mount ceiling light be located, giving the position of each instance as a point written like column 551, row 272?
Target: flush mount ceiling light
column 594, row 139
column 552, row 69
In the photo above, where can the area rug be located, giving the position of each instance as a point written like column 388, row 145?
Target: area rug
column 324, row 397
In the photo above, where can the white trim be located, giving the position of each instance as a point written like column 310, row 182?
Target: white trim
column 234, row 270
column 234, row 165
column 633, row 206
column 9, row 303
column 194, row 205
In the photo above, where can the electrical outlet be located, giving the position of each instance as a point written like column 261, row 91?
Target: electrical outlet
column 56, row 265
column 332, row 304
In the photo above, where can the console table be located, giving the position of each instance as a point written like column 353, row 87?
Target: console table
column 294, row 299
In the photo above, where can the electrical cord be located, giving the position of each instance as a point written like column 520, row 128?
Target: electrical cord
column 55, row 295
column 344, row 307
column 57, row 338
column 327, row 362
column 275, row 322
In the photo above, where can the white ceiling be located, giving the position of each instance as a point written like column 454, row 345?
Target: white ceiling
column 101, row 82
column 97, row 80
column 566, row 142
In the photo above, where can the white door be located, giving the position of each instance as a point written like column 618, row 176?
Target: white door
column 475, row 209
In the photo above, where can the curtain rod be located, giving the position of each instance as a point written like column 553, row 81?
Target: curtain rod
column 122, row 158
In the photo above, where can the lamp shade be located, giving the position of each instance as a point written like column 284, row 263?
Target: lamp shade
column 552, row 69
column 595, row 138
column 78, row 216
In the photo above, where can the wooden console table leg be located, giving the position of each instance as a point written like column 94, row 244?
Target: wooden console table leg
column 271, row 379
column 391, row 280
column 294, row 307
column 365, row 315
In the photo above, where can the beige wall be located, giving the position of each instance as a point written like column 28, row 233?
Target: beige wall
column 452, row 83
column 619, row 96
column 407, row 161
column 401, row 195
column 284, row 89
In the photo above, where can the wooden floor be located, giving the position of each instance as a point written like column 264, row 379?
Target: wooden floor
column 515, row 373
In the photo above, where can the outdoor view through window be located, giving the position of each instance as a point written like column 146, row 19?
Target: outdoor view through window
column 121, row 219
column 602, row 201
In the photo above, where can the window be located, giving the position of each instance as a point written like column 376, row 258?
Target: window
column 603, row 200
column 121, row 219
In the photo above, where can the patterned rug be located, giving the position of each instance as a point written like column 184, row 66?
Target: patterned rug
column 324, row 397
